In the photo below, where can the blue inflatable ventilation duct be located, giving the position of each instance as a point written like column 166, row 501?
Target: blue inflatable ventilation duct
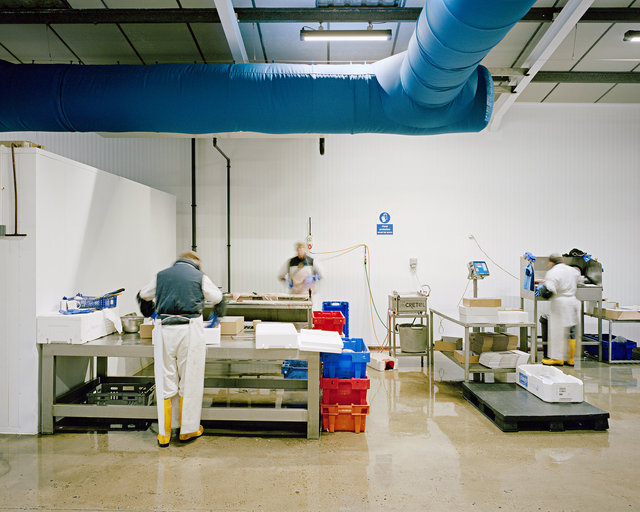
column 436, row 86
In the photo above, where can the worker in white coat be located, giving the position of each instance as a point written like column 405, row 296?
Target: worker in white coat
column 179, row 345
column 301, row 272
column 561, row 281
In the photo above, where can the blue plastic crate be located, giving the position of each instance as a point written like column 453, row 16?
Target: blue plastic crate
column 621, row 350
column 347, row 365
column 294, row 363
column 343, row 307
column 294, row 372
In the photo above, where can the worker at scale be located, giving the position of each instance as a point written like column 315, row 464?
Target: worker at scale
column 179, row 346
column 301, row 272
column 561, row 281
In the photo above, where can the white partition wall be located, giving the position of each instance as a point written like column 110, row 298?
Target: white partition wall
column 87, row 231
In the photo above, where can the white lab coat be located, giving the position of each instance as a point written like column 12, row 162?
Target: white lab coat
column 562, row 280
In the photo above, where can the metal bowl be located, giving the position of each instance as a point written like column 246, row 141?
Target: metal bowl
column 131, row 322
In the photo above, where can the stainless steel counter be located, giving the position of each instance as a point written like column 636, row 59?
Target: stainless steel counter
column 236, row 348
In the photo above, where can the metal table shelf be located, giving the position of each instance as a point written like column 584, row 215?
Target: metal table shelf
column 599, row 341
column 391, row 333
column 526, row 330
column 239, row 348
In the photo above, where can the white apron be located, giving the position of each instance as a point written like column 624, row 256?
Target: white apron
column 563, row 314
column 179, row 359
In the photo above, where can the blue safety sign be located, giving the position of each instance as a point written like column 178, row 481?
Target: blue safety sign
column 385, row 229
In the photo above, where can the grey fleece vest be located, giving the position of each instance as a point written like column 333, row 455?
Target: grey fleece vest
column 179, row 291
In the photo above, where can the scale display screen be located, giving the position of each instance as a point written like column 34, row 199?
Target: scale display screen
column 481, row 268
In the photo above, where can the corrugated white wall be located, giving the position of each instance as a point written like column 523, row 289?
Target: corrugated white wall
column 552, row 178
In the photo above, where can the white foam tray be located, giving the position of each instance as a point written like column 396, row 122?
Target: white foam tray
column 549, row 383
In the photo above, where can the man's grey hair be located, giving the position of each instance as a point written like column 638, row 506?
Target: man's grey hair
column 556, row 258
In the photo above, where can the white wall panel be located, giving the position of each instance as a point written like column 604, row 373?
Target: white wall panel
column 553, row 178
column 88, row 231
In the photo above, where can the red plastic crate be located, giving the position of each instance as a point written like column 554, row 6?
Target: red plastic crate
column 345, row 391
column 328, row 321
column 344, row 418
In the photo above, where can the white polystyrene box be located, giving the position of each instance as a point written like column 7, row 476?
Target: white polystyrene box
column 74, row 329
column 276, row 335
column 549, row 383
column 315, row 340
column 513, row 317
column 212, row 335
column 477, row 311
column 479, row 319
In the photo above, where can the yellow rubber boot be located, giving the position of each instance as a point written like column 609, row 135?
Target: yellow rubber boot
column 553, row 362
column 572, row 352
column 192, row 435
column 164, row 439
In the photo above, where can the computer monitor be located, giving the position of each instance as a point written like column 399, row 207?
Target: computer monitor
column 480, row 268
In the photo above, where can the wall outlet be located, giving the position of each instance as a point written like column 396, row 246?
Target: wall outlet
column 413, row 264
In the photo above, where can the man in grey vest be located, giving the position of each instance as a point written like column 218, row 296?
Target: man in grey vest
column 179, row 346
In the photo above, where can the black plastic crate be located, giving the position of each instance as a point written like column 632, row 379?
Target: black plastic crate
column 122, row 393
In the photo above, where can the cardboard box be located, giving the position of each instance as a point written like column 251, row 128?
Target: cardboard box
column 146, row 331
column 484, row 302
column 473, row 358
column 231, row 325
column 492, row 342
column 448, row 344
column 622, row 314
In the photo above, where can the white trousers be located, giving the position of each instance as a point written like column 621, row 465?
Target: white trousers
column 179, row 359
column 562, row 315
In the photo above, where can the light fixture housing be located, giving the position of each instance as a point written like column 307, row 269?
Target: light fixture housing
column 345, row 35
column 632, row 35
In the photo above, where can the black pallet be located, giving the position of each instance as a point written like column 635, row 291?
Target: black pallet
column 513, row 408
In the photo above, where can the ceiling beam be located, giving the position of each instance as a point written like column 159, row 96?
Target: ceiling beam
column 277, row 15
column 231, row 30
column 552, row 38
column 587, row 77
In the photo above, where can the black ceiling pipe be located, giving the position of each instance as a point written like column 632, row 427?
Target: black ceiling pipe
column 215, row 145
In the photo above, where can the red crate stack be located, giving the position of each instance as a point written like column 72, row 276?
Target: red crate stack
column 344, row 404
column 328, row 321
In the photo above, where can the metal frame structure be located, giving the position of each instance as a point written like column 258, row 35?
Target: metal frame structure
column 132, row 346
column 528, row 330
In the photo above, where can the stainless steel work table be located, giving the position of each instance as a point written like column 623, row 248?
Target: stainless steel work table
column 242, row 348
column 476, row 367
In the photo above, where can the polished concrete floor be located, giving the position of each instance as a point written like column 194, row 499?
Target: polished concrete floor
column 425, row 448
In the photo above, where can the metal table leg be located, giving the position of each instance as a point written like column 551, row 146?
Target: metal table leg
column 466, row 354
column 101, row 366
column 431, row 340
column 313, row 397
column 47, row 391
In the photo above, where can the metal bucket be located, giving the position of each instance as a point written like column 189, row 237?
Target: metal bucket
column 413, row 338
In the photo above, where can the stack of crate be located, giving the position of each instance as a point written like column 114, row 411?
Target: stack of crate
column 344, row 386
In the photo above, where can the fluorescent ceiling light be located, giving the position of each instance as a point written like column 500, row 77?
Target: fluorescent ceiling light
column 632, row 35
column 345, row 35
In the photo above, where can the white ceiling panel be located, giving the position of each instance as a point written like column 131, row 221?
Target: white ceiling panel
column 611, row 53
column 213, row 42
column 98, row 44
column 251, row 39
column 577, row 93
column 283, row 44
column 622, row 93
column 35, row 42
column 404, row 35
column 508, row 50
column 5, row 55
column 574, row 46
column 535, row 92
column 163, row 43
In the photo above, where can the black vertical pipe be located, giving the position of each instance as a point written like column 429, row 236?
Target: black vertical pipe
column 215, row 145
column 194, row 246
